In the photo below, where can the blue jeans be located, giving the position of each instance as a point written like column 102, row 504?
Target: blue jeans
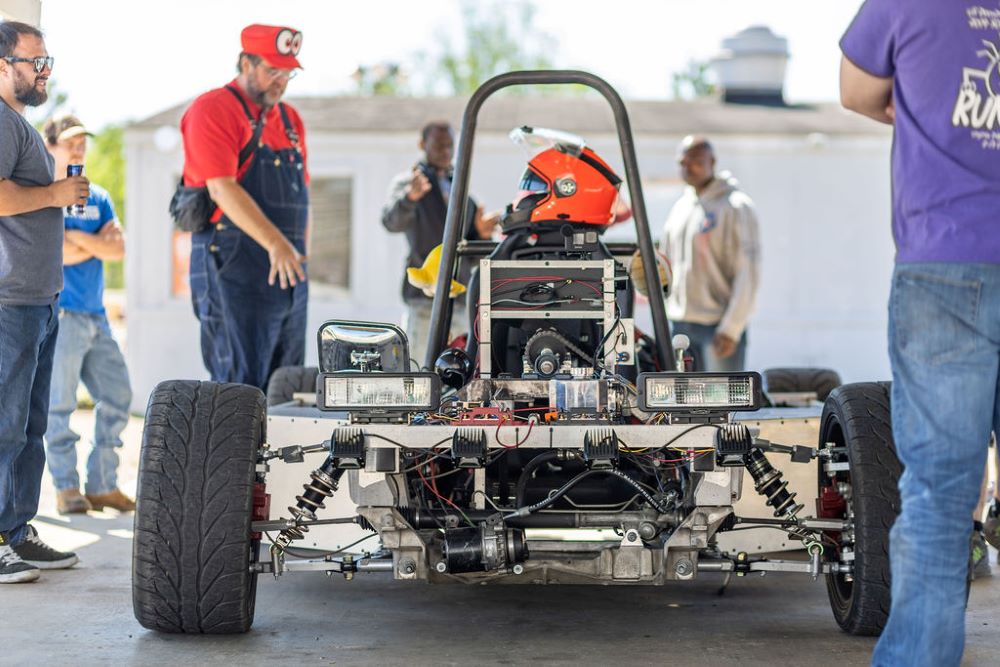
column 86, row 351
column 248, row 328
column 27, row 341
column 705, row 358
column 944, row 344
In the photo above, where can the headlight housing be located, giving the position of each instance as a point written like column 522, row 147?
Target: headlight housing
column 699, row 393
column 380, row 392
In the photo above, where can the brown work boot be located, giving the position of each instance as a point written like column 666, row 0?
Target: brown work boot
column 116, row 500
column 71, row 501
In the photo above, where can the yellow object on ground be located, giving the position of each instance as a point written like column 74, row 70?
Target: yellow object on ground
column 425, row 277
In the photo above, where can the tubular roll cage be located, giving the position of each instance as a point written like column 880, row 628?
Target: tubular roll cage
column 442, row 307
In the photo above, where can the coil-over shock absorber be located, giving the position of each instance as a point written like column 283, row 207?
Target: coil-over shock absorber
column 322, row 485
column 347, row 450
column 768, row 483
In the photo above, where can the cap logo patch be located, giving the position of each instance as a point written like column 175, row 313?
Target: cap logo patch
column 288, row 42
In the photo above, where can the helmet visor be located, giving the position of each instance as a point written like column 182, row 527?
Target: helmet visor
column 531, row 190
column 535, row 140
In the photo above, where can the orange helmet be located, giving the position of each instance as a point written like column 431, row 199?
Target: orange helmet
column 565, row 183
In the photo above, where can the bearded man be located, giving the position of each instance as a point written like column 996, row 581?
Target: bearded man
column 248, row 263
column 31, row 277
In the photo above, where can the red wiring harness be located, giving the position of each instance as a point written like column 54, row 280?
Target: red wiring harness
column 531, row 425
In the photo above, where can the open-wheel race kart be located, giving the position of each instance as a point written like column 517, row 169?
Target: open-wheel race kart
column 556, row 443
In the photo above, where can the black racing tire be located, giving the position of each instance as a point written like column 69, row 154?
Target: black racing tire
column 287, row 381
column 193, row 549
column 856, row 417
column 820, row 380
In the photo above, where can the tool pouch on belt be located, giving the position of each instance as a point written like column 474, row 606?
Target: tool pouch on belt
column 192, row 208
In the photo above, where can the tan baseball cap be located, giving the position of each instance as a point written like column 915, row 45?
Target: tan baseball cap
column 62, row 128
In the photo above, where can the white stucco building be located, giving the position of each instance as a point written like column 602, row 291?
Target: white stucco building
column 819, row 177
column 26, row 11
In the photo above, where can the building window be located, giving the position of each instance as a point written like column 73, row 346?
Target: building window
column 330, row 241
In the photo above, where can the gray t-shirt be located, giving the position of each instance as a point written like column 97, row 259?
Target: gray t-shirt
column 30, row 243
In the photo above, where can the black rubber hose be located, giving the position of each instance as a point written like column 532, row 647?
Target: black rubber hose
column 638, row 487
column 528, row 471
column 561, row 491
column 524, row 511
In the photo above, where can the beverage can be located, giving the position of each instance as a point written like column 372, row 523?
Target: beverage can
column 75, row 209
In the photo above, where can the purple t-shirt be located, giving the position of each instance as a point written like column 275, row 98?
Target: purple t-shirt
column 944, row 57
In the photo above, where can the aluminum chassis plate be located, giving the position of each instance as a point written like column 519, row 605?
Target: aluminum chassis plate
column 303, row 425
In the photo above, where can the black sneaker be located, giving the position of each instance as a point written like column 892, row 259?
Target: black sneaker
column 35, row 552
column 13, row 570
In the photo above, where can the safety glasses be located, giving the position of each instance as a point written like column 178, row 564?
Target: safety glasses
column 39, row 63
column 276, row 73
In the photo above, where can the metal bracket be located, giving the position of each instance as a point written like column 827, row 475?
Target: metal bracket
column 631, row 560
column 839, row 466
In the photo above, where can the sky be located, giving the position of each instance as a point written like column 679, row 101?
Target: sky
column 122, row 60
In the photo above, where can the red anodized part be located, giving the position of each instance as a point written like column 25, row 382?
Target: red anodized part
column 485, row 417
column 830, row 504
column 261, row 510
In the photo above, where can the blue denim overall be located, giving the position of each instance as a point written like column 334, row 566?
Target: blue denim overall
column 250, row 328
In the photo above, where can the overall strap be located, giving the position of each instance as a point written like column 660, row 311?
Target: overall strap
column 258, row 128
column 293, row 136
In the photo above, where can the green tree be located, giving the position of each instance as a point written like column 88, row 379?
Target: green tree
column 106, row 167
column 496, row 38
column 382, row 79
column 693, row 82
column 105, row 164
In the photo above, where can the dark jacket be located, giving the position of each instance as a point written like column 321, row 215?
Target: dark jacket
column 423, row 223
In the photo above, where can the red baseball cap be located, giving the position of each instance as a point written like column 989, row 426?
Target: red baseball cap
column 276, row 44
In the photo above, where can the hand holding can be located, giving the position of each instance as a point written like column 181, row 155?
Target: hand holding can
column 75, row 209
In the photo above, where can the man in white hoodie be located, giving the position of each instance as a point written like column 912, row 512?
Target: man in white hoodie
column 711, row 239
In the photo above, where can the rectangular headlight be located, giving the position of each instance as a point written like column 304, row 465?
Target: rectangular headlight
column 699, row 392
column 382, row 392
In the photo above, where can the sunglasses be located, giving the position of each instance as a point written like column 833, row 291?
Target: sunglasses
column 39, row 63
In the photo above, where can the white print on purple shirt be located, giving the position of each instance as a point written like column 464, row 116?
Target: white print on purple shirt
column 977, row 105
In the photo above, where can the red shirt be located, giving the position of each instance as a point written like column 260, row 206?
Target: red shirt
column 215, row 129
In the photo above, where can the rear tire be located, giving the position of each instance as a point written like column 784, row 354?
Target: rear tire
column 857, row 418
column 193, row 550
column 287, row 381
column 820, row 380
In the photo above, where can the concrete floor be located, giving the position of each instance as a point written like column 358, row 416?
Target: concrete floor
column 84, row 616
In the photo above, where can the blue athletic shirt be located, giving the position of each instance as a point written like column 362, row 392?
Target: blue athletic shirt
column 83, row 283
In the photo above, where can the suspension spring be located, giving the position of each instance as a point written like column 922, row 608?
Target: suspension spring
column 322, row 485
column 768, row 483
